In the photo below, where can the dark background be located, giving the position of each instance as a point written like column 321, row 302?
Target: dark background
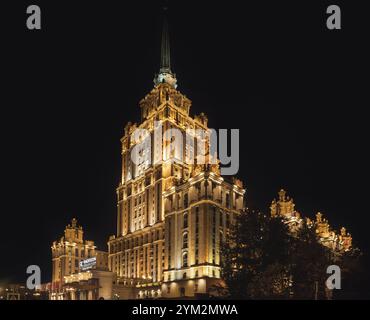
column 297, row 91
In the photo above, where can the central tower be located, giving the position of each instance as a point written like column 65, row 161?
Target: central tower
column 173, row 211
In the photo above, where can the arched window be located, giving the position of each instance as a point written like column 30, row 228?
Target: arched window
column 185, row 240
column 185, row 220
column 185, row 259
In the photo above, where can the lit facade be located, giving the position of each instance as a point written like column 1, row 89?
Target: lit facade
column 173, row 212
column 67, row 255
column 284, row 207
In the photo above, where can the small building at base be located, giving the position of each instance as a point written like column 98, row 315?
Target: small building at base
column 89, row 285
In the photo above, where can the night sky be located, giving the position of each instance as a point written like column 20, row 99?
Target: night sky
column 297, row 91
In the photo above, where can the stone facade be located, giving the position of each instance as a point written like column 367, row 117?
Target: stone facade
column 284, row 207
column 172, row 211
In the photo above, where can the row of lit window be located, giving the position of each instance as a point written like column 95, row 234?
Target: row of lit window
column 138, row 241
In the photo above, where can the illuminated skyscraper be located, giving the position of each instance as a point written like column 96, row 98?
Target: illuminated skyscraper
column 173, row 210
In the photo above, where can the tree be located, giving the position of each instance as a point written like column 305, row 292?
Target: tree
column 308, row 264
column 255, row 257
column 263, row 259
column 355, row 276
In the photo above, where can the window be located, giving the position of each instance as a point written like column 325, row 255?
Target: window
column 147, row 206
column 186, row 200
column 159, row 193
column 169, row 243
column 185, row 225
column 228, row 200
column 185, row 259
column 158, row 174
column 129, row 214
column 185, row 241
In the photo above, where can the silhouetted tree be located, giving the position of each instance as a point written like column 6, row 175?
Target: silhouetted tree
column 308, row 264
column 257, row 251
column 355, row 276
column 263, row 259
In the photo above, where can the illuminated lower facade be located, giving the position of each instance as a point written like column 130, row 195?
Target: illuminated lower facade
column 89, row 285
column 180, row 255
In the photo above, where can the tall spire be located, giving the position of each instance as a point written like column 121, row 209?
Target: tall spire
column 165, row 48
column 165, row 74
